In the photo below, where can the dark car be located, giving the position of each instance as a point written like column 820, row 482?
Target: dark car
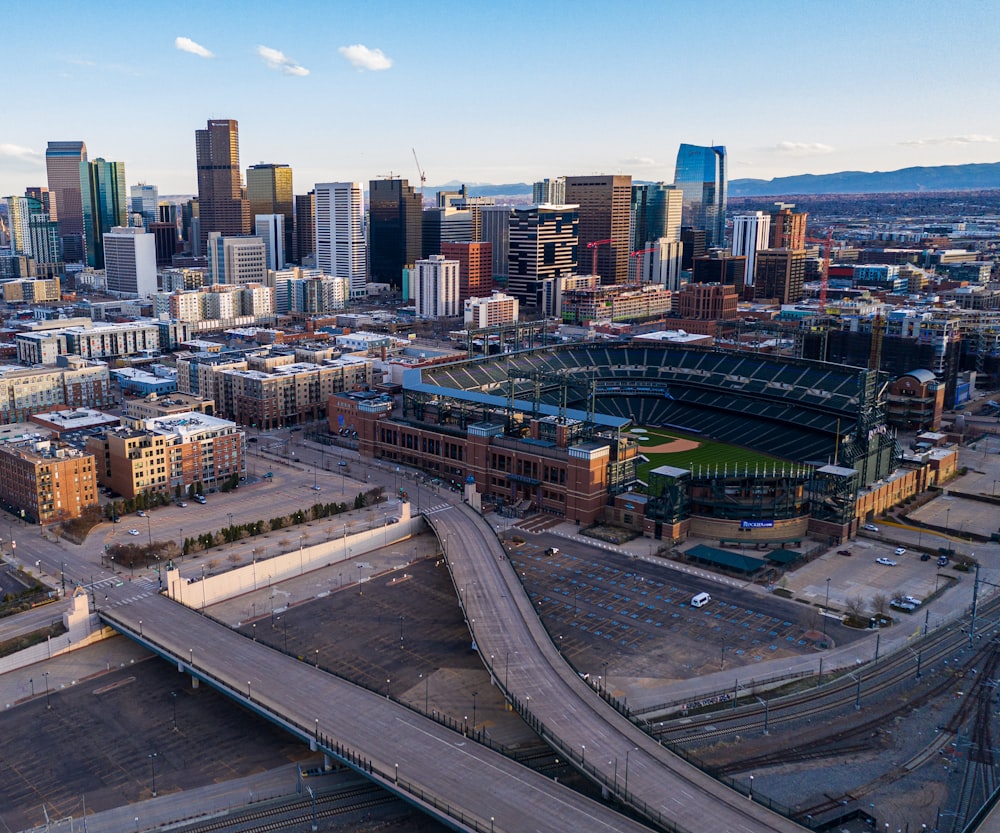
column 843, row 552
column 925, row 557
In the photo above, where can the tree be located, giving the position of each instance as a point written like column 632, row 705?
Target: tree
column 855, row 607
column 880, row 604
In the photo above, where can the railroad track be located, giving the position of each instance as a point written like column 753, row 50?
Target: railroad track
column 938, row 646
column 284, row 815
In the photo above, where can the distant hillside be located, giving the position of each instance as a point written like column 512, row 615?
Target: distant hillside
column 514, row 190
column 940, row 178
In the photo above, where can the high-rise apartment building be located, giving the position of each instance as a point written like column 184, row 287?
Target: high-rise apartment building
column 497, row 308
column 102, row 188
column 475, row 267
column 549, row 191
column 701, row 175
column 62, row 164
column 340, row 247
column 788, row 228
column 236, row 260
column 394, row 229
column 751, row 233
column 271, row 229
column 145, row 200
column 305, row 227
column 543, row 244
column 604, row 220
column 19, row 211
column 222, row 206
column 269, row 191
column 130, row 261
column 436, row 289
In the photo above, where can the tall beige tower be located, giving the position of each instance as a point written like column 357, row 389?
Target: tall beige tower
column 222, row 205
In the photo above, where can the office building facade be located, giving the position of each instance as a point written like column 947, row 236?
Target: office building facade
column 236, row 260
column 62, row 165
column 341, row 248
column 780, row 275
column 130, row 261
column 269, row 191
column 542, row 243
column 701, row 175
column 102, row 188
column 271, row 229
column 305, row 228
column 604, row 210
column 394, row 230
column 751, row 233
column 222, row 206
column 145, row 200
column 475, row 267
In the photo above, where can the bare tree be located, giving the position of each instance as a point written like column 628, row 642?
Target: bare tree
column 855, row 607
column 880, row 603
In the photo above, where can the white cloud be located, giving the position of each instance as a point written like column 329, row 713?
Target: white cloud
column 276, row 59
column 188, row 45
column 802, row 148
column 971, row 139
column 639, row 162
column 21, row 160
column 362, row 57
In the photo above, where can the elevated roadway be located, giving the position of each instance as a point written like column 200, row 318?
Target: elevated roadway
column 466, row 785
column 565, row 709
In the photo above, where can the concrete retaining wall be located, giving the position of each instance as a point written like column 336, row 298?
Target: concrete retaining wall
column 198, row 593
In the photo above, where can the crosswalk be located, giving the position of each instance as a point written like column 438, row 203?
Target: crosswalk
column 119, row 592
column 439, row 507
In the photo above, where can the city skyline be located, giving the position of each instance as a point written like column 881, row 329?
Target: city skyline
column 835, row 90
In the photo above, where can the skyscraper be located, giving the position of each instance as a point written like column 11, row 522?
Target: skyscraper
column 19, row 211
column 701, row 175
column 788, row 229
column 305, row 227
column 496, row 232
column 269, row 190
column 549, row 191
column 394, row 230
column 102, row 187
column 236, row 260
column 144, row 199
column 751, row 232
column 130, row 258
column 604, row 219
column 62, row 164
column 340, row 233
column 542, row 244
column 779, row 275
column 656, row 224
column 271, row 229
column 475, row 267
column 221, row 204
column 437, row 288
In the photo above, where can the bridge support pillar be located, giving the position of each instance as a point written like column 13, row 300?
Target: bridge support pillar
column 195, row 682
column 605, row 794
column 312, row 744
column 327, row 763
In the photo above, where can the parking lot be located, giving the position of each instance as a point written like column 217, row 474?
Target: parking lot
column 614, row 615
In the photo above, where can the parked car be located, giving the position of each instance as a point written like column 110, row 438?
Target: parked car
column 843, row 552
column 911, row 600
column 342, row 463
column 182, row 504
column 925, row 556
column 871, row 527
column 942, row 561
column 133, row 532
column 900, row 550
column 141, row 513
column 885, row 562
column 201, row 499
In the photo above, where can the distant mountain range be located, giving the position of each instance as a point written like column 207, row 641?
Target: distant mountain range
column 976, row 177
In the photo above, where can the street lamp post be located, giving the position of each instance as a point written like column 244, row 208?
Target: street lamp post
column 48, row 703
column 149, row 530
column 152, row 770
column 474, row 695
column 387, row 688
column 248, row 691
column 764, row 703
column 173, row 700
column 826, row 608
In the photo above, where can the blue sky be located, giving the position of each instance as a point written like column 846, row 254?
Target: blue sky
column 501, row 92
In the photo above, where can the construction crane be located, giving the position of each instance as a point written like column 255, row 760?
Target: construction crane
column 825, row 277
column 423, row 176
column 593, row 248
column 639, row 253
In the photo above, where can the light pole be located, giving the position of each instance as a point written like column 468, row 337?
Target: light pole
column 173, row 700
column 826, row 608
column 312, row 795
column 152, row 770
column 627, row 751
column 751, row 788
column 140, row 627
column 149, row 530
column 300, row 554
column 766, row 712
column 48, row 703
column 387, row 688
column 475, row 694
column 248, row 691
column 583, row 753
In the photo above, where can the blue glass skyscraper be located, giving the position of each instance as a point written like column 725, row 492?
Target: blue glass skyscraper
column 701, row 175
column 102, row 189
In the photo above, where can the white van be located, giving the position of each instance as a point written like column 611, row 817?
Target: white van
column 701, row 600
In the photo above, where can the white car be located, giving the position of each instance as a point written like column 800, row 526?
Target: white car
column 133, row 532
column 900, row 550
column 885, row 562
column 871, row 527
column 911, row 600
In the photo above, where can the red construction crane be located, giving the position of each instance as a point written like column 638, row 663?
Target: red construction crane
column 825, row 277
column 593, row 248
column 639, row 253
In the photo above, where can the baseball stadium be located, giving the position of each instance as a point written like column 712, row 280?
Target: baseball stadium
column 724, row 444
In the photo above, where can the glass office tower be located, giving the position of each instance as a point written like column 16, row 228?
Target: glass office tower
column 701, row 175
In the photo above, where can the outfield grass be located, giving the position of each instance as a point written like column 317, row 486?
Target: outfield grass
column 709, row 453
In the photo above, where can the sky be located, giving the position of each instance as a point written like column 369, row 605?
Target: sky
column 502, row 92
